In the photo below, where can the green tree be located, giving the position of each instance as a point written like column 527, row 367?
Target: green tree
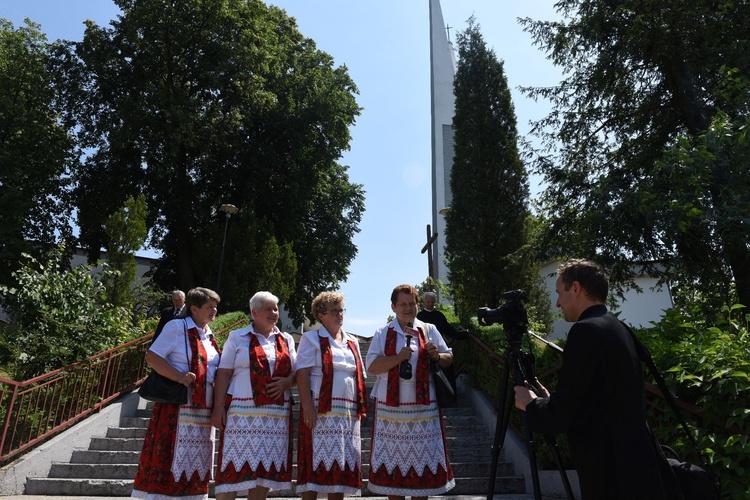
column 126, row 231
column 207, row 102
column 636, row 153
column 60, row 316
column 35, row 150
column 486, row 226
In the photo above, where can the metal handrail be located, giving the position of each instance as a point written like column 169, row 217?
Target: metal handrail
column 485, row 368
column 38, row 408
column 33, row 411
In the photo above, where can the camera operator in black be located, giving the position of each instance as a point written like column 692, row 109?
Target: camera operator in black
column 600, row 399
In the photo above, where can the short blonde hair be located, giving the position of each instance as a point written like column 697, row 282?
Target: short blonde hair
column 324, row 300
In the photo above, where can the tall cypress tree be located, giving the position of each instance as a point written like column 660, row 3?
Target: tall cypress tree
column 485, row 228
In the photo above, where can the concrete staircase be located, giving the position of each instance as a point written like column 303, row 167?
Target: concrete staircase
column 106, row 468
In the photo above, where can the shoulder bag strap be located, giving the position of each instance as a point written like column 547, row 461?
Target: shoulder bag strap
column 645, row 357
column 187, row 353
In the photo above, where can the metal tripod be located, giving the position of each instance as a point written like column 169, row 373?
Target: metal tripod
column 521, row 362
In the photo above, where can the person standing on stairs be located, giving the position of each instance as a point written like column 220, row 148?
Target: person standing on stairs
column 331, row 382
column 253, row 405
column 178, row 450
column 170, row 313
column 409, row 456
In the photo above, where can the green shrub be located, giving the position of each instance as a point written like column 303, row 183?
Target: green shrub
column 225, row 323
column 59, row 317
column 707, row 365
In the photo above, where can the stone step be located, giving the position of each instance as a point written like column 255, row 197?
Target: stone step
column 461, row 470
column 93, row 471
column 459, row 439
column 79, row 487
column 123, row 487
column 141, row 421
column 105, row 457
column 458, row 426
column 81, row 456
column 108, row 466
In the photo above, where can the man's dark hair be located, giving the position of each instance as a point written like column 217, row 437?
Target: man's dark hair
column 588, row 274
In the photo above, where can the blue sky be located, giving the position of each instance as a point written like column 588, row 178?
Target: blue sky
column 385, row 46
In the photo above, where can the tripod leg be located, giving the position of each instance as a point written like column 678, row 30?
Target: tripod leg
column 501, row 425
column 531, row 450
column 563, row 475
column 517, row 357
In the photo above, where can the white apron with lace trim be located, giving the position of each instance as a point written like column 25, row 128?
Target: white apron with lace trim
column 408, row 436
column 194, row 443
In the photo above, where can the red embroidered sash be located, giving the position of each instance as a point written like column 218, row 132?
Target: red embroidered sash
column 326, row 385
column 361, row 395
column 260, row 369
column 423, row 371
column 326, row 366
column 199, row 366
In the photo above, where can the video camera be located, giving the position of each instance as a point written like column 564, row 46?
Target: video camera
column 512, row 315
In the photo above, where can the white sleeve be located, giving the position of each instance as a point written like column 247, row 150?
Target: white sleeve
column 170, row 345
column 292, row 350
column 309, row 352
column 438, row 339
column 229, row 351
column 376, row 346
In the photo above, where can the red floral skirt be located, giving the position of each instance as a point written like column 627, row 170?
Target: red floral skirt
column 250, row 441
column 412, row 437
column 154, row 474
column 321, row 479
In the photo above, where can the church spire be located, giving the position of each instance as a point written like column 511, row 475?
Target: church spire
column 442, row 73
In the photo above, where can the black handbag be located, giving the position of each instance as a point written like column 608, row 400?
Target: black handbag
column 443, row 389
column 681, row 480
column 160, row 389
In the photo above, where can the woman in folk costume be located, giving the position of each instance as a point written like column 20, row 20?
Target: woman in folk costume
column 178, row 451
column 409, row 456
column 252, row 405
column 331, row 381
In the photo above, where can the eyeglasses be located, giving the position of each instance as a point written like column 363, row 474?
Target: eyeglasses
column 335, row 312
column 407, row 305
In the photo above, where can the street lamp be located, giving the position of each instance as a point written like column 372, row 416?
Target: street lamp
column 229, row 210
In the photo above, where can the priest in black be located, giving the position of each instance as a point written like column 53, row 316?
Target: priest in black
column 170, row 313
column 429, row 314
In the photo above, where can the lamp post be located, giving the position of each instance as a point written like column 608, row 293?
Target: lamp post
column 228, row 210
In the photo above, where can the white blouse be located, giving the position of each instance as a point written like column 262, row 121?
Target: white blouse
column 170, row 345
column 236, row 356
column 342, row 357
column 377, row 349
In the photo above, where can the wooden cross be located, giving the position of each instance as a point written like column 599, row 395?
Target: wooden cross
column 448, row 29
column 428, row 248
